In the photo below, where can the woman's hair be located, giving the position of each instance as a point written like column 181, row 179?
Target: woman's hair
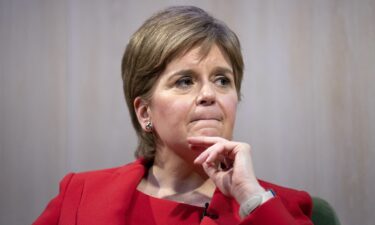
column 168, row 34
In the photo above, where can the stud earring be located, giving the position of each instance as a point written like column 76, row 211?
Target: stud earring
column 149, row 126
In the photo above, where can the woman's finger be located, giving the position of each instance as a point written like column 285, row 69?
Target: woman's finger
column 216, row 150
column 204, row 155
column 220, row 152
column 203, row 141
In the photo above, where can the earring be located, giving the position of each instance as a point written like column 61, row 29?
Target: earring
column 149, row 126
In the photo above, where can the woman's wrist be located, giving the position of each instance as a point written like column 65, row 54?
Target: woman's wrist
column 247, row 192
column 254, row 202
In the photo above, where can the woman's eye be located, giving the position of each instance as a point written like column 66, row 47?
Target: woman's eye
column 184, row 82
column 222, row 81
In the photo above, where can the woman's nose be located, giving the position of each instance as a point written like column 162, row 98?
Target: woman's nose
column 206, row 95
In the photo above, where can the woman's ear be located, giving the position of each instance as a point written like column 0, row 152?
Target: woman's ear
column 141, row 108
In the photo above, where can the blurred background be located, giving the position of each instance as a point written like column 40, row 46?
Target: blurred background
column 308, row 107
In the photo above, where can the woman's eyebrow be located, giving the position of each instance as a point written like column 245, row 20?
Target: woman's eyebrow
column 224, row 70
column 183, row 72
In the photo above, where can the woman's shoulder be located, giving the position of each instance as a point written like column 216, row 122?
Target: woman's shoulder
column 135, row 166
column 98, row 187
column 126, row 175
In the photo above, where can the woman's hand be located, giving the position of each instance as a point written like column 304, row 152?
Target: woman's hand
column 229, row 165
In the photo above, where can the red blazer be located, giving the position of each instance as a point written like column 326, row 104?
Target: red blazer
column 103, row 197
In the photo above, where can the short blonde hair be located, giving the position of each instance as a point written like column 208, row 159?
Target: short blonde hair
column 163, row 37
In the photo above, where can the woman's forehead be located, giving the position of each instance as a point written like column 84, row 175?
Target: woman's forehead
column 199, row 53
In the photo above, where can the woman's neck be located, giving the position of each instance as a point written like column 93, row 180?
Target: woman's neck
column 172, row 177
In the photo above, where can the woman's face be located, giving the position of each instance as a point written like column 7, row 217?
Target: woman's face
column 194, row 96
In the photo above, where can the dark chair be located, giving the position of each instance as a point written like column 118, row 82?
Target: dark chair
column 323, row 213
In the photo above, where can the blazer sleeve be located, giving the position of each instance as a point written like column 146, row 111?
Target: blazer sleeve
column 51, row 214
column 294, row 211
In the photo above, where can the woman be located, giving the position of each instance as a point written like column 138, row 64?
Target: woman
column 182, row 73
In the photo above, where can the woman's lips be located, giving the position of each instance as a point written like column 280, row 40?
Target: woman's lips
column 207, row 116
column 206, row 122
column 206, row 119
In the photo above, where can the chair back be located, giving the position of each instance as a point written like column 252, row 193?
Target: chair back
column 323, row 213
